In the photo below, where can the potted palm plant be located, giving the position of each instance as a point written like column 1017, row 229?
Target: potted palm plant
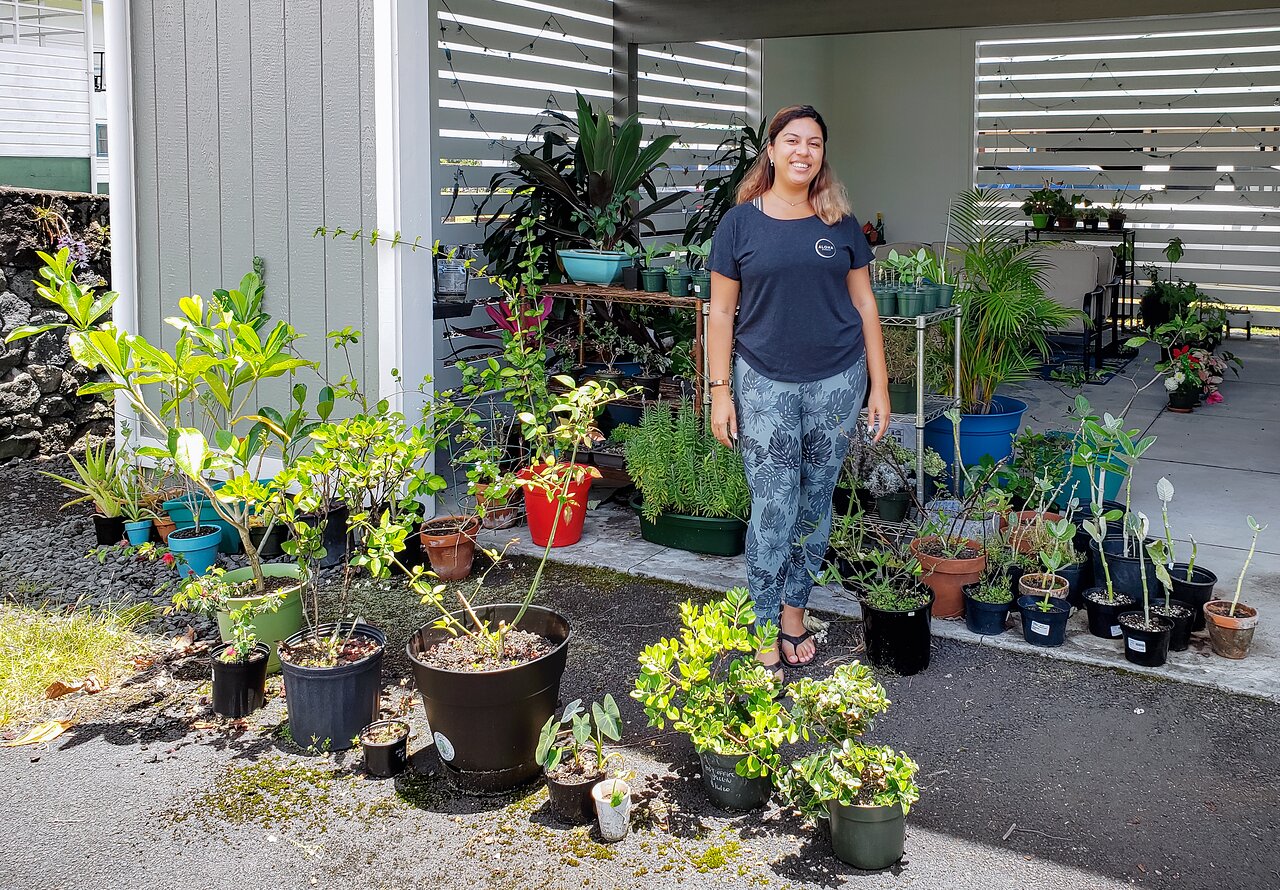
column 691, row 491
column 708, row 683
column 1005, row 335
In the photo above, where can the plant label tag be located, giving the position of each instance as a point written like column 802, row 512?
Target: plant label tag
column 444, row 747
column 1115, row 631
column 1040, row 628
column 1137, row 645
column 911, row 614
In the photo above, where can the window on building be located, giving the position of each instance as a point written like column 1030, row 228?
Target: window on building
column 101, row 133
column 99, row 78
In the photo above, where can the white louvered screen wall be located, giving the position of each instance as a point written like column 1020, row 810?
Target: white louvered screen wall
column 1190, row 117
column 498, row 63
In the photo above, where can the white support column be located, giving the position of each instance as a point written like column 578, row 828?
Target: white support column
column 406, row 333
column 124, row 250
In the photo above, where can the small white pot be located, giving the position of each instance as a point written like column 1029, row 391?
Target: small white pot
column 613, row 821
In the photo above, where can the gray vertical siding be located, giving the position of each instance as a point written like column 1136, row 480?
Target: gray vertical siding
column 252, row 128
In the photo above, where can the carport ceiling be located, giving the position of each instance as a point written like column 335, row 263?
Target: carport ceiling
column 679, row 21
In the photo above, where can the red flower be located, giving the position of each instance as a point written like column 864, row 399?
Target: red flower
column 168, row 559
column 1179, row 351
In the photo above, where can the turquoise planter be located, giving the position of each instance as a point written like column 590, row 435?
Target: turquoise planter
column 602, row 267
column 980, row 434
column 138, row 532
column 179, row 510
column 199, row 553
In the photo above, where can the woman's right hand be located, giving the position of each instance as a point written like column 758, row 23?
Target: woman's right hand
column 724, row 417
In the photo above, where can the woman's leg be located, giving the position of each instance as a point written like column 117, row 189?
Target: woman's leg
column 829, row 414
column 768, row 431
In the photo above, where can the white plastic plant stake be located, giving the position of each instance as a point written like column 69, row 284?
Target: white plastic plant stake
column 614, row 820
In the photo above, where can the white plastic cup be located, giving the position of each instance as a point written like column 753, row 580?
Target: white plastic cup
column 613, row 821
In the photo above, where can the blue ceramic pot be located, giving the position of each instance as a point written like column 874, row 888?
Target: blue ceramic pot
column 980, row 434
column 138, row 532
column 199, row 553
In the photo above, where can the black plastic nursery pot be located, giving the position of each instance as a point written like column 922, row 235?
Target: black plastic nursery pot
column 1041, row 628
column 108, row 530
column 987, row 619
column 697, row 534
column 728, row 790
column 868, row 837
column 1126, row 576
column 268, row 541
column 1079, row 577
column 898, row 640
column 335, row 538
column 1142, row 645
column 1104, row 616
column 570, row 798
column 1196, row 592
column 893, row 507
column 386, row 760
column 1182, row 616
column 239, row 687
column 486, row 723
column 328, row 706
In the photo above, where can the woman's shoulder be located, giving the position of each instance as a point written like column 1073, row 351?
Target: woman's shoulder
column 848, row 221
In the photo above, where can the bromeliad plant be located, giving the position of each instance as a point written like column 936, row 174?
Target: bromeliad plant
column 709, row 685
column 563, row 740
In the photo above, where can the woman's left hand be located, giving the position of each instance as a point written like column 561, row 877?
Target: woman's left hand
column 878, row 412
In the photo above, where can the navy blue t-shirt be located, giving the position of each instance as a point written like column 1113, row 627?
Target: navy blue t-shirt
column 796, row 322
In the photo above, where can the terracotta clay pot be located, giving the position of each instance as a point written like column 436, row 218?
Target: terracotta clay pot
column 947, row 577
column 1020, row 523
column 450, row 542
column 1037, row 584
column 1230, row 635
column 498, row 512
column 164, row 527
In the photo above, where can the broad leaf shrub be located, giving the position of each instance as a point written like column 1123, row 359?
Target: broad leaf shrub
column 709, row 685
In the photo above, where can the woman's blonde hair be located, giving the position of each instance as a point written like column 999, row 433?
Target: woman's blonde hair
column 826, row 193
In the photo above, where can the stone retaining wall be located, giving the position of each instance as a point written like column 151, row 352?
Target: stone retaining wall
column 40, row 413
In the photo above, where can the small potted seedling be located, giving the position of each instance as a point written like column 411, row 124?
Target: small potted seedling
column 1043, row 601
column 1231, row 624
column 571, row 750
column 386, row 748
column 612, row 798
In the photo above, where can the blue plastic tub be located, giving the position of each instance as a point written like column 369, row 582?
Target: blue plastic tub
column 980, row 434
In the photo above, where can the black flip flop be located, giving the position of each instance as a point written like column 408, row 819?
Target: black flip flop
column 795, row 641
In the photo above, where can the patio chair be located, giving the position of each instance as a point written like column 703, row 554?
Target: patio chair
column 1072, row 278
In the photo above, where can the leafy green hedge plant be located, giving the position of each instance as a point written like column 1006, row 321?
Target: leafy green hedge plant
column 709, row 685
column 679, row 466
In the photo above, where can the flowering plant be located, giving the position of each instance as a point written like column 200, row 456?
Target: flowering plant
column 1186, row 372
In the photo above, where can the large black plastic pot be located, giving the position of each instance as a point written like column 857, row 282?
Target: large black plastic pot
column 898, row 640
column 570, row 798
column 1104, row 617
column 328, row 706
column 239, row 687
column 486, row 723
column 1196, row 592
column 727, row 789
column 268, row 541
column 984, row 618
column 335, row 538
column 1149, row 648
column 868, row 837
column 1126, row 576
column 108, row 530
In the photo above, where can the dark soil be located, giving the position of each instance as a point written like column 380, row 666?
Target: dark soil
column 567, row 772
column 1224, row 609
column 463, row 653
column 933, row 547
column 449, row 525
column 191, row 532
column 385, row 734
column 315, row 653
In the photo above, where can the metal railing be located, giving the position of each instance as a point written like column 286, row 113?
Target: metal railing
column 32, row 22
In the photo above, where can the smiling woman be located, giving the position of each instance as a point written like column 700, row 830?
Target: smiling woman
column 790, row 294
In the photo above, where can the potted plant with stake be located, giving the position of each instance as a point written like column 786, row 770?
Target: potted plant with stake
column 101, row 480
column 708, row 683
column 1231, row 624
column 571, row 751
column 865, row 792
column 386, row 748
column 239, row 665
column 691, row 491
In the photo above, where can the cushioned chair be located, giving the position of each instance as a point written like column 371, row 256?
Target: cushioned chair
column 1073, row 278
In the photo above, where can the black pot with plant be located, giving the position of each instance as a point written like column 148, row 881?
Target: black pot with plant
column 386, row 748
column 239, row 683
column 571, row 750
column 897, row 626
column 332, row 683
column 987, row 605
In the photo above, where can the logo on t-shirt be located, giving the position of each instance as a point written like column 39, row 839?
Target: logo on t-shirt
column 825, row 248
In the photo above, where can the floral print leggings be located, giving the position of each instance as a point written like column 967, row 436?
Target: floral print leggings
column 794, row 437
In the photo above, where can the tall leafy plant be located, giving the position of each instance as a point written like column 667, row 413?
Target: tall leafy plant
column 736, row 154
column 1007, row 316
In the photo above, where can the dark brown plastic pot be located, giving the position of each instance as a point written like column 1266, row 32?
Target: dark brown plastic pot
column 1104, row 617
column 486, row 723
column 385, row 759
column 570, row 798
column 450, row 542
column 1181, row 615
column 239, row 687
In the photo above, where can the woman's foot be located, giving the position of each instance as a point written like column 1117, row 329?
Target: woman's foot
column 796, row 645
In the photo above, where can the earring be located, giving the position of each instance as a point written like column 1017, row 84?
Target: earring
column 770, row 162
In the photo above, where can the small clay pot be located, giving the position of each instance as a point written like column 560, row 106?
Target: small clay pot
column 498, row 512
column 1230, row 635
column 164, row 527
column 947, row 577
column 450, row 542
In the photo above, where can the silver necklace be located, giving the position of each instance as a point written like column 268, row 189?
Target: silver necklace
column 803, row 200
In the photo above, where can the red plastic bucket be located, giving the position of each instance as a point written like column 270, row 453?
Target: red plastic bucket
column 542, row 507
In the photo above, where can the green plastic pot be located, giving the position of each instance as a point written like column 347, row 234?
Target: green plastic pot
column 654, row 281
column 931, row 296
column 902, row 398
column 946, row 293
column 268, row 627
column 697, row 534
column 893, row 507
column 678, row 283
column 887, row 303
column 1040, row 220
column 701, row 283
column 868, row 837
column 910, row 302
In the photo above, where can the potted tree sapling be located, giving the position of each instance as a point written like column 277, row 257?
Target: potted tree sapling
column 571, row 751
column 708, row 683
column 691, row 491
column 1043, row 600
column 1232, row 624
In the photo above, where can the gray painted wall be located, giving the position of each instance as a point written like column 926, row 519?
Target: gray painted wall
column 249, row 134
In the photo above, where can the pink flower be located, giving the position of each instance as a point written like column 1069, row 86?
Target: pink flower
column 1213, row 398
column 168, row 559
